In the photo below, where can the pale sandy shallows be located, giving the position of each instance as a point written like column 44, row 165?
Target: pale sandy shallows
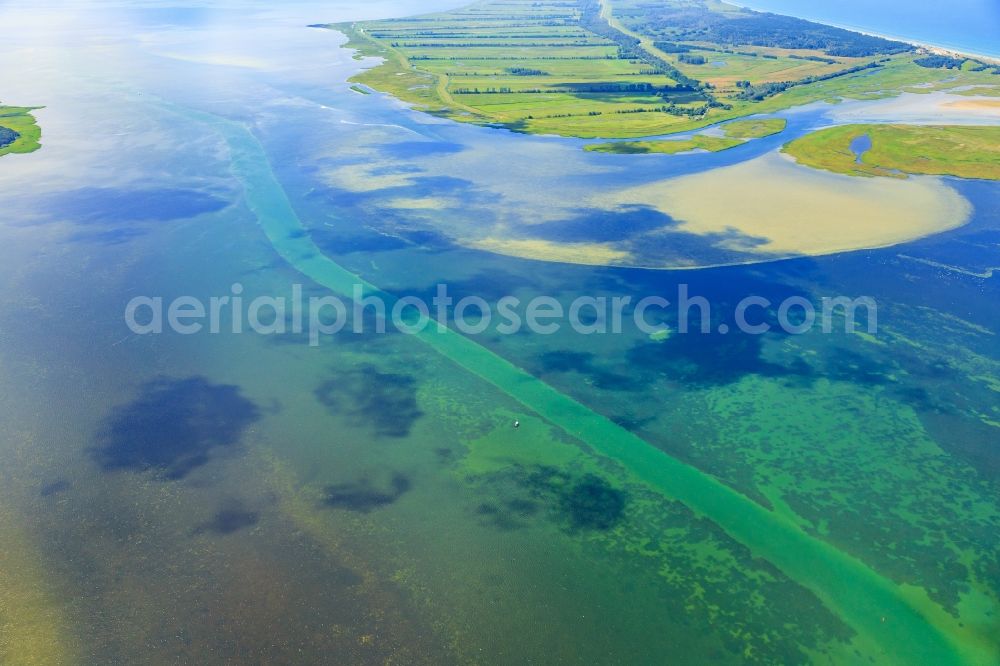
column 977, row 104
column 792, row 210
column 591, row 254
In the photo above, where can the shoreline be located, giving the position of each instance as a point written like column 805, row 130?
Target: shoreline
column 937, row 49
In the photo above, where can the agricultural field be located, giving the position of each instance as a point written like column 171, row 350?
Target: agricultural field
column 19, row 133
column 897, row 150
column 526, row 65
column 724, row 69
column 620, row 69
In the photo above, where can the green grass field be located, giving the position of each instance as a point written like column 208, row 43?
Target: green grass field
column 897, row 150
column 22, row 133
column 534, row 66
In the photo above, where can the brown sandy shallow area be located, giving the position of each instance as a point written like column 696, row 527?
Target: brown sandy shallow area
column 765, row 209
column 976, row 105
column 782, row 209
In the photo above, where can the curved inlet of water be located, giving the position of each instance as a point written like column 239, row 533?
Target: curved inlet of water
column 901, row 623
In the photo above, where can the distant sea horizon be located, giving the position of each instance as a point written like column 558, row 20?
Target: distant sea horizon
column 967, row 26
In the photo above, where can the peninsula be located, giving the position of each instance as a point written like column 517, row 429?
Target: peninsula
column 632, row 69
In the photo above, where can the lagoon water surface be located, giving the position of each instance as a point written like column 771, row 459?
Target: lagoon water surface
column 208, row 499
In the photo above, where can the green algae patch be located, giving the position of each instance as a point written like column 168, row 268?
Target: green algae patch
column 712, row 144
column 538, row 476
column 735, row 133
column 921, row 506
column 898, row 150
column 661, row 336
column 19, row 131
column 530, row 445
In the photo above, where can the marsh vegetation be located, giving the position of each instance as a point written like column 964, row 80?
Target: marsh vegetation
column 897, row 150
column 19, row 132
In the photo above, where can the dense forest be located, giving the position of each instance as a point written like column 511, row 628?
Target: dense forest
column 939, row 62
column 671, row 47
column 525, row 71
column 698, row 23
column 948, row 62
column 691, row 59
